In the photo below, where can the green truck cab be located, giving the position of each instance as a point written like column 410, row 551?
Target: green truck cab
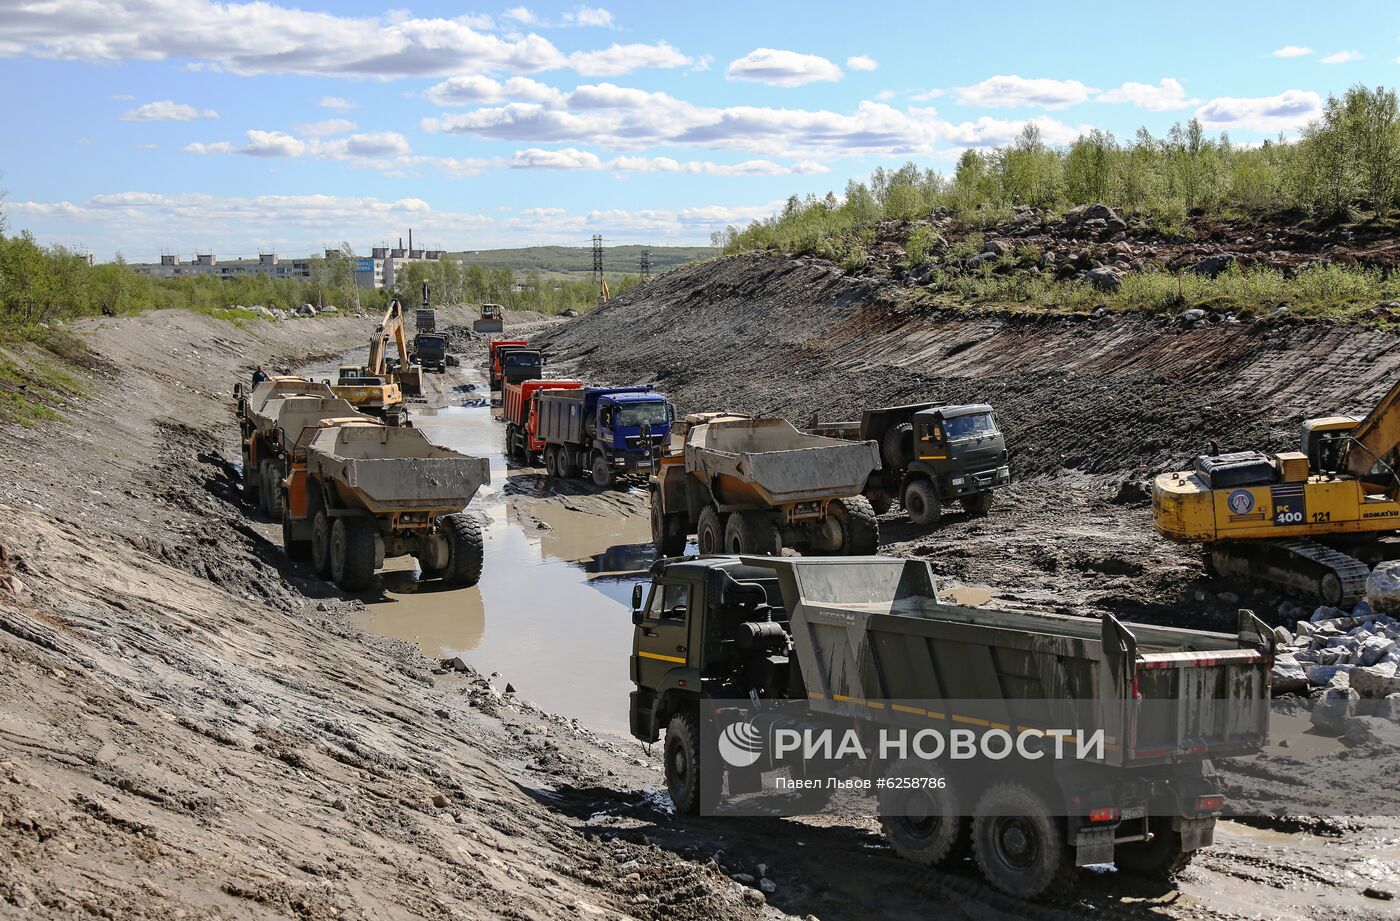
column 866, row 642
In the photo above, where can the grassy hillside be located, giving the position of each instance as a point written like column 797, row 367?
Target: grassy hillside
column 575, row 261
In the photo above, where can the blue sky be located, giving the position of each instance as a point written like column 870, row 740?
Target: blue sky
column 142, row 126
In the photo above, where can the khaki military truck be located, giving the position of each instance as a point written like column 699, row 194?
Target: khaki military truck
column 365, row 491
column 867, row 644
column 745, row 485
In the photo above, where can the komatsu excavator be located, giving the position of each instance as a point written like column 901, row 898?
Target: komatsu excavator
column 1311, row 521
column 381, row 385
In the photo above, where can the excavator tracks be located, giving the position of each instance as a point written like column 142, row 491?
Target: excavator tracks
column 1305, row 566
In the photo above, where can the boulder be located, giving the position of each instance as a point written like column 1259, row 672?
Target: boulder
column 996, row 247
column 1096, row 212
column 1211, row 266
column 1383, row 588
column 1370, row 730
column 1375, row 681
column 1104, row 279
column 1332, row 710
column 1373, row 649
column 1288, row 676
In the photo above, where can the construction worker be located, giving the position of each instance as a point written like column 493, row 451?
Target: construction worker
column 259, row 376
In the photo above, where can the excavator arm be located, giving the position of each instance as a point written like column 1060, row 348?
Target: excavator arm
column 1375, row 439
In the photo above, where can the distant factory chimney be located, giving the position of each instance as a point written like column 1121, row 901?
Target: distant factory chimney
column 410, row 239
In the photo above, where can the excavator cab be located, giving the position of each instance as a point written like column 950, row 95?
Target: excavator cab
column 1323, row 439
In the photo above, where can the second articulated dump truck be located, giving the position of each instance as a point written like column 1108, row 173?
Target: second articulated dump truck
column 605, row 432
column 866, row 644
column 744, row 485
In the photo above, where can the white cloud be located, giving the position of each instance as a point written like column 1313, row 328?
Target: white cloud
column 928, row 95
column 997, row 132
column 1013, row 92
column 368, row 147
column 623, row 118
column 265, row 38
column 166, row 111
column 590, row 16
column 1342, row 57
column 1288, row 111
column 338, row 103
column 885, row 95
column 520, row 14
column 862, row 62
column 571, row 158
column 1167, row 95
column 782, row 68
column 702, row 63
column 1292, row 51
column 326, row 128
column 621, row 59
column 461, row 91
column 272, row 144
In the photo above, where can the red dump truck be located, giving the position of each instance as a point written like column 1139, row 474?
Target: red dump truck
column 512, row 361
column 520, row 410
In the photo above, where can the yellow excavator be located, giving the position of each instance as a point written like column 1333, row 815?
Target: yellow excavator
column 381, row 385
column 1312, row 521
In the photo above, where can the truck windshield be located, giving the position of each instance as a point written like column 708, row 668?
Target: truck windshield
column 974, row 426
column 522, row 361
column 432, row 342
column 630, row 415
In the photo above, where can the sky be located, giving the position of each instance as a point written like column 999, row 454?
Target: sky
column 144, row 127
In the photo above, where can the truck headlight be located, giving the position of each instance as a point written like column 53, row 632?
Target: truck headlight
column 959, row 480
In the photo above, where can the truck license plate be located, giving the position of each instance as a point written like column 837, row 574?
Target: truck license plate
column 1133, row 812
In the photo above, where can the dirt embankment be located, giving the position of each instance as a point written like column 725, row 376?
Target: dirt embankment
column 190, row 727
column 1091, row 406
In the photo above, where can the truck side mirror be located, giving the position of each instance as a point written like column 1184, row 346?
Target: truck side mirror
column 636, row 601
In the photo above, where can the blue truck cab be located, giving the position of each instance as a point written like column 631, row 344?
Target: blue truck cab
column 603, row 432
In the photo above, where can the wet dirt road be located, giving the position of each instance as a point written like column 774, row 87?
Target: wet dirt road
column 551, row 614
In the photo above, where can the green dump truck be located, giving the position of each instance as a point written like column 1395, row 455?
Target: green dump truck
column 866, row 643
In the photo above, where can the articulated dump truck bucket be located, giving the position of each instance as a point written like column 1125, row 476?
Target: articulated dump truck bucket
column 276, row 389
column 394, row 468
column 780, row 462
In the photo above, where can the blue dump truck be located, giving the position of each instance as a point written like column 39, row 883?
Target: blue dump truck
column 605, row 432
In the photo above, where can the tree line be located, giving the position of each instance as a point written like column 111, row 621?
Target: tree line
column 1343, row 166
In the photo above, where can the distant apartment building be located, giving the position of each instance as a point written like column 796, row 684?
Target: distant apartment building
column 171, row 266
column 379, row 270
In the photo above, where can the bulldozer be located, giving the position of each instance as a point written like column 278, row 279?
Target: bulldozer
column 382, row 384
column 1313, row 521
column 492, row 319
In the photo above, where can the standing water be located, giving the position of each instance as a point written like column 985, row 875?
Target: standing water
column 552, row 612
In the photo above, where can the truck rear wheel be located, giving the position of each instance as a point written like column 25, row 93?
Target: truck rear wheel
column 1161, row 859
column 924, row 826
column 295, row 549
column 921, row 502
column 1021, row 848
column 466, row 547
column 709, row 531
column 880, row 501
column 855, row 519
column 979, row 504
column 352, row 553
column 682, row 753
column 752, row 533
column 667, row 531
column 321, row 542
column 602, row 474
column 551, row 460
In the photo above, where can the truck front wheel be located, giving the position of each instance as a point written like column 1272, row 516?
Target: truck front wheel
column 709, row 531
column 295, row 549
column 682, row 753
column 752, row 533
column 1161, row 858
column 667, row 531
column 466, row 549
column 321, row 542
column 921, row 502
column 352, row 553
column 602, row 474
column 1021, row 848
column 979, row 504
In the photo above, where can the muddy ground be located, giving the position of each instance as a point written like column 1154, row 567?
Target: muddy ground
column 190, row 727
